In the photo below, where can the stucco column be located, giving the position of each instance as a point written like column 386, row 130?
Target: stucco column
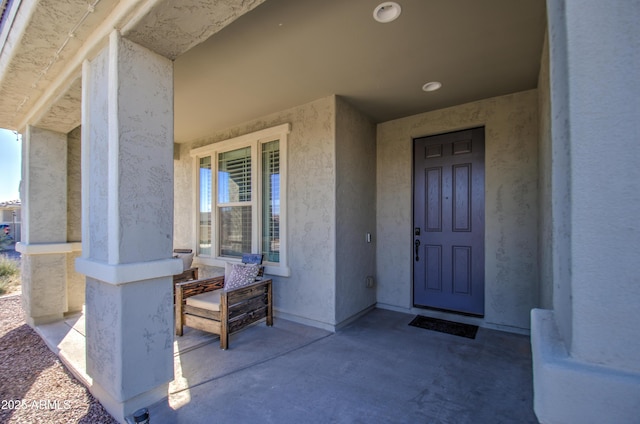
column 44, row 226
column 585, row 351
column 127, row 191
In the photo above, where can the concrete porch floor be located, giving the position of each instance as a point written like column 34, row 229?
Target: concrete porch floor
column 376, row 370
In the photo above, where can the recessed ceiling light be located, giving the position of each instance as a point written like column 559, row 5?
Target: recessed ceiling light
column 387, row 12
column 432, row 86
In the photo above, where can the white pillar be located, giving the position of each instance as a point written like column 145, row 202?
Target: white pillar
column 44, row 226
column 127, row 166
column 585, row 351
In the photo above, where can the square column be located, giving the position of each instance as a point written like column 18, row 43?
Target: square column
column 127, row 230
column 44, row 244
column 585, row 352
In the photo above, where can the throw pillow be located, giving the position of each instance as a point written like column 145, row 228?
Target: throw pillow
column 187, row 259
column 239, row 275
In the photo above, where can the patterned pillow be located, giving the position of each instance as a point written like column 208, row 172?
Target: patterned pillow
column 239, row 275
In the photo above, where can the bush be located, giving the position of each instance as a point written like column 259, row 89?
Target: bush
column 9, row 275
column 5, row 240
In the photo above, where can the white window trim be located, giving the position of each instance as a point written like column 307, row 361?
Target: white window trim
column 254, row 140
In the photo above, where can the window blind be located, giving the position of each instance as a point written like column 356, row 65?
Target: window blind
column 234, row 188
column 271, row 201
column 234, row 176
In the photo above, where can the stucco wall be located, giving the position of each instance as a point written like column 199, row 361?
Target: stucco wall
column 75, row 280
column 74, row 186
column 183, row 198
column 560, row 169
column 145, row 135
column 545, row 236
column 511, row 259
column 308, row 294
column 96, row 243
column 128, row 141
column 355, row 210
column 604, row 143
column 44, row 297
column 586, row 366
column 45, row 182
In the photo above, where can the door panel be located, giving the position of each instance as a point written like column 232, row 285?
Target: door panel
column 462, row 270
column 433, row 263
column 462, row 197
column 449, row 221
column 434, row 205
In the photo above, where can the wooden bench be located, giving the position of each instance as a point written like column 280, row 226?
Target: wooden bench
column 222, row 312
column 186, row 275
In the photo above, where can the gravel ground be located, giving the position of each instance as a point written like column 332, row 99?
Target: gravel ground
column 35, row 387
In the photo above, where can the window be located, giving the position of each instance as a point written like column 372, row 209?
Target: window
column 241, row 186
column 234, row 202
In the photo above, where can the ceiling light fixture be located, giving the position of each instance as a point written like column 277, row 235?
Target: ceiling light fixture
column 431, row 86
column 387, row 12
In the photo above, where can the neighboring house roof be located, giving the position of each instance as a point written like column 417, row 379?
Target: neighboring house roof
column 10, row 204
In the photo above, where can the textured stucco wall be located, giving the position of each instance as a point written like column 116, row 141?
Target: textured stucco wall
column 604, row 142
column 172, row 28
column 96, row 149
column 74, row 186
column 44, row 177
column 545, row 236
column 124, row 358
column 75, row 280
column 355, row 210
column 44, row 294
column 131, row 143
column 511, row 132
column 184, row 201
column 145, row 154
column 586, row 365
column 76, row 284
column 560, row 169
column 308, row 293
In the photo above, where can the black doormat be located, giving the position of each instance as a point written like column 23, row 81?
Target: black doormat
column 443, row 326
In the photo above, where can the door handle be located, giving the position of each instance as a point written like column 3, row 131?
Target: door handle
column 417, row 244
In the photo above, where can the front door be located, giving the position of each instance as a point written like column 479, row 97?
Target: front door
column 448, row 227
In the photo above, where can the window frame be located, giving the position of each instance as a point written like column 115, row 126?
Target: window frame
column 255, row 141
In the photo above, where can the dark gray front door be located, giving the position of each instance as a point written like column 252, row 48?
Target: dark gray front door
column 448, row 250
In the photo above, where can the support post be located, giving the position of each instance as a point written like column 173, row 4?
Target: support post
column 127, row 184
column 44, row 226
column 586, row 365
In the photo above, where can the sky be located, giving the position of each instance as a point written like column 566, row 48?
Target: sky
column 10, row 165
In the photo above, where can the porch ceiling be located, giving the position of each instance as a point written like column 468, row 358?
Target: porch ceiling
column 39, row 40
column 288, row 52
column 43, row 44
column 280, row 54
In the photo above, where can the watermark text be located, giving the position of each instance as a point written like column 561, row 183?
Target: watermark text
column 41, row 404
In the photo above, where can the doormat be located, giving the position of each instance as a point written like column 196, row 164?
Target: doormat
column 443, row 326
